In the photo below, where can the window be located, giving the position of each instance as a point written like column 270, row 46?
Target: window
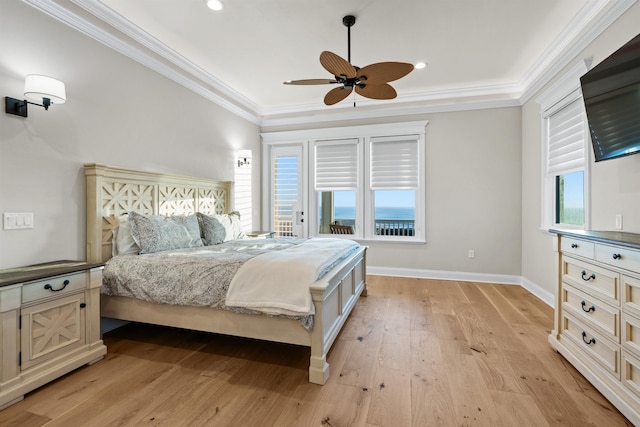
column 565, row 148
column 566, row 135
column 569, row 199
column 394, row 181
column 366, row 181
column 336, row 183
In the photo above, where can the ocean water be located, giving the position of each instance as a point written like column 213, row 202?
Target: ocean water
column 347, row 212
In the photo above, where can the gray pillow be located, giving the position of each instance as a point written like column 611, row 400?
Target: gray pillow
column 217, row 229
column 158, row 233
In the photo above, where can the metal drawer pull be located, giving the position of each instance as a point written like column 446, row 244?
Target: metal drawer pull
column 592, row 308
column 574, row 246
column 64, row 285
column 586, row 279
column 617, row 256
column 584, row 338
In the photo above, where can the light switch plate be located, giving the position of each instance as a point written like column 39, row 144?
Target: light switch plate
column 17, row 221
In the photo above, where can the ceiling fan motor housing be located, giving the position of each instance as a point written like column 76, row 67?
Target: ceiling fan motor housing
column 349, row 20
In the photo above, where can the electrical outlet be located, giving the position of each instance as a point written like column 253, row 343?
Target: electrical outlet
column 618, row 221
column 472, row 253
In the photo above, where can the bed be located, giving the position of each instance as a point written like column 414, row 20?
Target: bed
column 113, row 191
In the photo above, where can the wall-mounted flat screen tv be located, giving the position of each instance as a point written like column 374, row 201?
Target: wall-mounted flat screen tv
column 611, row 92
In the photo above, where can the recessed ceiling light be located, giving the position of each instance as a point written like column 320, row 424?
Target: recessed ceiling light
column 420, row 65
column 214, row 4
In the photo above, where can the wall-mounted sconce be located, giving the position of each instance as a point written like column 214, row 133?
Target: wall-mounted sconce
column 242, row 162
column 37, row 88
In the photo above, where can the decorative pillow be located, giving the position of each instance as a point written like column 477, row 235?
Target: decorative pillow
column 158, row 233
column 123, row 242
column 217, row 229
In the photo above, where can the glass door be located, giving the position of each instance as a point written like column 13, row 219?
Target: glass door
column 288, row 199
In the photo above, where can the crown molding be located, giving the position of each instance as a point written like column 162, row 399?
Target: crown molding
column 560, row 54
column 146, row 51
column 102, row 24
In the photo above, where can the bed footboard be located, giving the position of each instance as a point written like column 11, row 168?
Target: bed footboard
column 334, row 298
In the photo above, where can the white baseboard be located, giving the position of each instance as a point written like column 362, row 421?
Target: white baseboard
column 505, row 279
column 541, row 293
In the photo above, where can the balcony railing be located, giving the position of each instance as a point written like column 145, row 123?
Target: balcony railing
column 394, row 227
column 383, row 227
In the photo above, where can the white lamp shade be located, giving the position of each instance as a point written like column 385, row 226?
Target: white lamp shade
column 37, row 87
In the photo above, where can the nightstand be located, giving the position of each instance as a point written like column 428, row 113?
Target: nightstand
column 49, row 322
column 261, row 234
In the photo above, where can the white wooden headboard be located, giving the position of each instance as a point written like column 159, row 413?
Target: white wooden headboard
column 112, row 191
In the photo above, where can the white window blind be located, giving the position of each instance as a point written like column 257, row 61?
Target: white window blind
column 336, row 165
column 394, row 163
column 566, row 136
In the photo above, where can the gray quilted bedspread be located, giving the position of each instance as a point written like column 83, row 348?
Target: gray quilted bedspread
column 194, row 276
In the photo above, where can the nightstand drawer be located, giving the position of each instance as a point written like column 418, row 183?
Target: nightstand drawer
column 53, row 287
column 569, row 245
column 592, row 279
column 593, row 344
column 592, row 311
column 618, row 257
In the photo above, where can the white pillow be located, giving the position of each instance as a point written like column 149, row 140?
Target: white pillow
column 123, row 242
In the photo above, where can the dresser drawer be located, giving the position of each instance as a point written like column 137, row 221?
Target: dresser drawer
column 592, row 279
column 569, row 245
column 631, row 373
column 592, row 343
column 53, row 287
column 592, row 311
column 627, row 259
column 631, row 295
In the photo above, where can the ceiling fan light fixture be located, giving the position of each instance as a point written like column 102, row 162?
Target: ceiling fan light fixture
column 420, row 65
column 214, row 4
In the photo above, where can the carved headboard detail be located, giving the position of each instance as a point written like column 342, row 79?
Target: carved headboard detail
column 112, row 191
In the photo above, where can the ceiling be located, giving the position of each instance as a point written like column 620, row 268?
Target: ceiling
column 475, row 49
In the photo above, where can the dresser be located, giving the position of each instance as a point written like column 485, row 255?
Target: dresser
column 49, row 324
column 597, row 314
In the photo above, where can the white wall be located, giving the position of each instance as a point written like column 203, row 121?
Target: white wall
column 473, row 185
column 615, row 184
column 118, row 113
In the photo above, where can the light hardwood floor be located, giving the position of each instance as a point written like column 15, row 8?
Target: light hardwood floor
column 414, row 352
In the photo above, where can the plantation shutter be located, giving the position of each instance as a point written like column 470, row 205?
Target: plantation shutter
column 566, row 136
column 242, row 193
column 286, row 172
column 394, row 163
column 336, row 165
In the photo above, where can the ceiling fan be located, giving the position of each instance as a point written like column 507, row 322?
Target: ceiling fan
column 370, row 81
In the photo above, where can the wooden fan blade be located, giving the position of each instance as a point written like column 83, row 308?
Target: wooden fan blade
column 310, row 82
column 377, row 91
column 336, row 95
column 383, row 72
column 336, row 65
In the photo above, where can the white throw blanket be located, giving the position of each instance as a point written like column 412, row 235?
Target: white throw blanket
column 278, row 282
